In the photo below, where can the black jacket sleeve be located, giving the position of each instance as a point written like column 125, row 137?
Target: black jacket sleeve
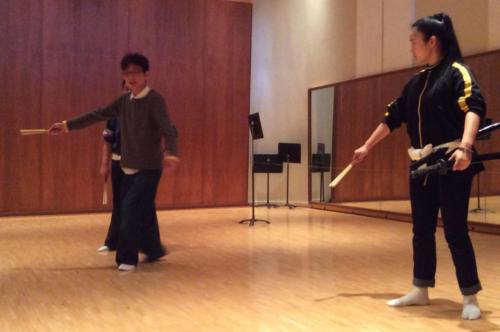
column 467, row 92
column 395, row 113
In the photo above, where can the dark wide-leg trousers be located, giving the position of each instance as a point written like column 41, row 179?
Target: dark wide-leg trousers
column 450, row 194
column 139, row 225
column 114, row 227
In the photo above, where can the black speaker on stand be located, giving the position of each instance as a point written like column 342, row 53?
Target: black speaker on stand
column 256, row 131
column 289, row 153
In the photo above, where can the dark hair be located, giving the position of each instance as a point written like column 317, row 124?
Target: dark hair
column 440, row 25
column 135, row 59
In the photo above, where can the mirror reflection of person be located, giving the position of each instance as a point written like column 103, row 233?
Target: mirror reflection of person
column 440, row 104
column 143, row 122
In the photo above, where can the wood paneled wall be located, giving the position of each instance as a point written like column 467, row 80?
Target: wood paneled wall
column 360, row 106
column 61, row 58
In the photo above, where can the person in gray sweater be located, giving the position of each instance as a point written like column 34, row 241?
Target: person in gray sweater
column 144, row 122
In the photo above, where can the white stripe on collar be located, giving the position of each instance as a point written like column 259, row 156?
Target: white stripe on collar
column 141, row 94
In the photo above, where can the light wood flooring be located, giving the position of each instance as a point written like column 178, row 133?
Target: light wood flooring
column 309, row 270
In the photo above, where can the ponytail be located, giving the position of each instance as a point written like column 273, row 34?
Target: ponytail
column 440, row 25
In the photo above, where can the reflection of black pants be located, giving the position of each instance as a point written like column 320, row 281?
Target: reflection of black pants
column 450, row 193
column 114, row 227
column 139, row 225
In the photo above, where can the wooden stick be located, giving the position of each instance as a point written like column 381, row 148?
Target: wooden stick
column 339, row 177
column 25, row 132
column 105, row 193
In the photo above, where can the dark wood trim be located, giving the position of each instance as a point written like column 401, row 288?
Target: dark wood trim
column 200, row 53
column 396, row 216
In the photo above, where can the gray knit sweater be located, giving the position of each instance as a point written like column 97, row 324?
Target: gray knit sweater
column 143, row 122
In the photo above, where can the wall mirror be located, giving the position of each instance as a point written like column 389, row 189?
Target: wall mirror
column 342, row 115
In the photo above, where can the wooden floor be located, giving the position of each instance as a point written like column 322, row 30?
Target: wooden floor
column 310, row 270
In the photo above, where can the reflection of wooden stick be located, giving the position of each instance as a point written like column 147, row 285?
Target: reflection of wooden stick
column 105, row 193
column 339, row 177
column 25, row 132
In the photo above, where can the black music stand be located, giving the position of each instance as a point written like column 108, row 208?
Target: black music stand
column 321, row 164
column 479, row 209
column 267, row 163
column 289, row 153
column 256, row 131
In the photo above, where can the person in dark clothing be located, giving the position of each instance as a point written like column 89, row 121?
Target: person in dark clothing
column 440, row 105
column 111, row 155
column 144, row 123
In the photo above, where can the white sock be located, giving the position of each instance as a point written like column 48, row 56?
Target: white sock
column 417, row 296
column 103, row 248
column 126, row 267
column 471, row 307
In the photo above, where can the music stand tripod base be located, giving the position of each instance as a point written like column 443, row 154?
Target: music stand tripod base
column 268, row 205
column 252, row 221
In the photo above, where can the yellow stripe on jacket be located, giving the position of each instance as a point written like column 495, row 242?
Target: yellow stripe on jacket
column 462, row 101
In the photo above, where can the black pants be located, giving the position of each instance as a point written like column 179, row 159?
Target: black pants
column 114, row 227
column 450, row 194
column 111, row 240
column 139, row 225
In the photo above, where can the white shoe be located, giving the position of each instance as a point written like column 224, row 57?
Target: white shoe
column 126, row 267
column 103, row 248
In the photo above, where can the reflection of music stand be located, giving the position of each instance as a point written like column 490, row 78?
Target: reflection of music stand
column 478, row 209
column 267, row 163
column 256, row 131
column 321, row 164
column 289, row 153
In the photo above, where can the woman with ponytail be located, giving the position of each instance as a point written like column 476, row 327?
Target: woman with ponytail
column 440, row 105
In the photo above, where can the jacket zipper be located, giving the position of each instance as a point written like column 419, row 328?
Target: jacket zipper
column 419, row 112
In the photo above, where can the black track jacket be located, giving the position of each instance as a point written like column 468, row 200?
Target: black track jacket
column 434, row 102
